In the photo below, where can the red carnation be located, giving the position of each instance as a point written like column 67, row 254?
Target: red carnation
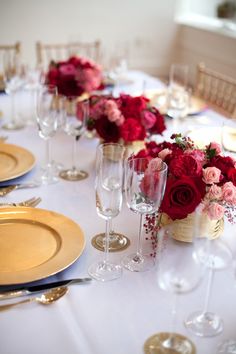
column 107, row 130
column 132, row 130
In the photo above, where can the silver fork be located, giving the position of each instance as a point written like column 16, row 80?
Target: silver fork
column 32, row 202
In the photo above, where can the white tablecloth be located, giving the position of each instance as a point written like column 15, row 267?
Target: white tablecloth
column 113, row 317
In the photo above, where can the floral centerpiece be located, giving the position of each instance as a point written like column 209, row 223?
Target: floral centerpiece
column 75, row 76
column 124, row 119
column 197, row 178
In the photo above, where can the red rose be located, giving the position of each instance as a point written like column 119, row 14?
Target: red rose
column 185, row 165
column 223, row 163
column 132, row 130
column 182, row 196
column 107, row 130
column 232, row 175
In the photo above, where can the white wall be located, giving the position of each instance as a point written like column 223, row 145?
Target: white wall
column 145, row 27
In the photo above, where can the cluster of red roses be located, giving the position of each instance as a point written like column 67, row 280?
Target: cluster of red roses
column 195, row 177
column 75, row 76
column 124, row 118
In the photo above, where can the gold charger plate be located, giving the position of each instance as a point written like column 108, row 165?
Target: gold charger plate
column 15, row 161
column 158, row 98
column 36, row 243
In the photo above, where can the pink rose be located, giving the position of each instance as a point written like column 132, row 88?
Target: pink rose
column 215, row 146
column 163, row 153
column 229, row 193
column 214, row 192
column 155, row 165
column 148, row 119
column 211, row 175
column 215, row 211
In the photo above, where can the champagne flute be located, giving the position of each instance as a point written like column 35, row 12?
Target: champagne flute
column 75, row 126
column 47, row 126
column 108, row 188
column 179, row 272
column 144, row 190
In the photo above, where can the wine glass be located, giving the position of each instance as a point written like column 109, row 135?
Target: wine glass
column 12, row 76
column 216, row 256
column 75, row 126
column 108, row 189
column 144, row 191
column 179, row 272
column 47, row 125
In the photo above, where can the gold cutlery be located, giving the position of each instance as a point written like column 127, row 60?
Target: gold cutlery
column 32, row 202
column 7, row 189
column 45, row 299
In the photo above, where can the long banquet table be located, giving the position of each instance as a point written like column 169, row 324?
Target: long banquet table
column 117, row 316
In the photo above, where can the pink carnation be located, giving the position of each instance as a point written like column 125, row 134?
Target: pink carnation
column 215, row 211
column 211, row 175
column 229, row 193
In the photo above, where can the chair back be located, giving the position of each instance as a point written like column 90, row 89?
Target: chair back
column 45, row 53
column 218, row 90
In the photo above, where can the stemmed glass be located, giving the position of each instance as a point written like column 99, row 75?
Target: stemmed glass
column 179, row 272
column 108, row 189
column 144, row 190
column 13, row 81
column 178, row 95
column 75, row 126
column 47, row 125
column 216, row 256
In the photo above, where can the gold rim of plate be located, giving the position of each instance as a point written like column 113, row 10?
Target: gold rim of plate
column 15, row 161
column 36, row 243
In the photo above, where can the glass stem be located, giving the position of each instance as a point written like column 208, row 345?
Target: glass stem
column 13, row 108
column 74, row 153
column 139, row 245
column 169, row 342
column 106, row 245
column 48, row 152
column 208, row 292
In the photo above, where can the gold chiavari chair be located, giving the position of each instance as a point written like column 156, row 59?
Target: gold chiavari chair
column 8, row 58
column 218, row 90
column 45, row 53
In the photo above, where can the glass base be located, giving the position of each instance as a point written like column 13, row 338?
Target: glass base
column 13, row 126
column 117, row 242
column 169, row 343
column 104, row 271
column 47, row 176
column 204, row 325
column 138, row 263
column 73, row 175
column 227, row 347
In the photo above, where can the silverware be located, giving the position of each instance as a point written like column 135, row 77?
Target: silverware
column 45, row 299
column 5, row 189
column 32, row 202
column 30, row 290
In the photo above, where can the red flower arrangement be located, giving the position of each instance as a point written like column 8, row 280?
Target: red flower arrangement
column 196, row 177
column 75, row 76
column 124, row 118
